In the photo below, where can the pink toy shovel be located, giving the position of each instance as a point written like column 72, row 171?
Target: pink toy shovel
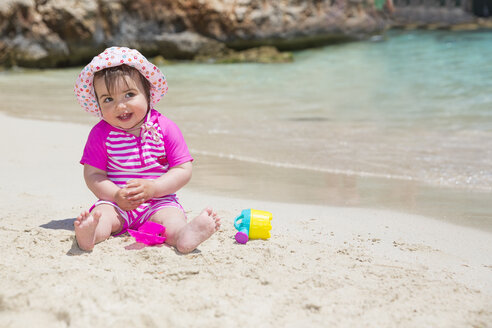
column 149, row 233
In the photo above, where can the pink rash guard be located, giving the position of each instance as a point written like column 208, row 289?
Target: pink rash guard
column 124, row 156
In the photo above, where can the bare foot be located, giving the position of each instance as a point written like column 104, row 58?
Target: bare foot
column 198, row 230
column 85, row 229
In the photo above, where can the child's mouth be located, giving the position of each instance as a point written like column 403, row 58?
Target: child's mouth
column 125, row 117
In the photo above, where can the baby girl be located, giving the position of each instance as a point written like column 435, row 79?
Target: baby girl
column 135, row 159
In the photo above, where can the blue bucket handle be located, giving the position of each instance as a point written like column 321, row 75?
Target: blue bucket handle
column 236, row 224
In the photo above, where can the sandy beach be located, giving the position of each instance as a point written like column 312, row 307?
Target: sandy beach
column 323, row 266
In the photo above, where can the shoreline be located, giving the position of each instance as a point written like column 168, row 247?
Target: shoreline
column 323, row 265
column 223, row 176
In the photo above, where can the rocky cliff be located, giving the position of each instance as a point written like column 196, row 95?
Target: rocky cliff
column 53, row 33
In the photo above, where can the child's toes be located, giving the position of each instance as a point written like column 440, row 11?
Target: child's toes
column 96, row 216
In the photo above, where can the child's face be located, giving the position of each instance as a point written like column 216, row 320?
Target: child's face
column 124, row 107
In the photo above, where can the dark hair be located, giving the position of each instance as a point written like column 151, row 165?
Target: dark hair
column 113, row 74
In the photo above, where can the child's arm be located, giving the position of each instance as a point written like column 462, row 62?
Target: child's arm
column 141, row 190
column 98, row 182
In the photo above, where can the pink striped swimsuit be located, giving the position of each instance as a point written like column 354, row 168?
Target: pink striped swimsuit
column 124, row 157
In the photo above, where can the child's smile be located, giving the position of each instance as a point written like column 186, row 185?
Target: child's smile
column 125, row 116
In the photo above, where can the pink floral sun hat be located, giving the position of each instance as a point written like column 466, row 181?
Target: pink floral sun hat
column 112, row 57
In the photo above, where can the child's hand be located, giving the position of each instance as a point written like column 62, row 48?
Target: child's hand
column 140, row 190
column 121, row 198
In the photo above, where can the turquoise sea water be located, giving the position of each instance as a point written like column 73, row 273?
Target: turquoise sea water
column 414, row 109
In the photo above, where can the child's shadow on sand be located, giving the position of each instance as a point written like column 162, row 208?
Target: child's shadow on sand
column 65, row 224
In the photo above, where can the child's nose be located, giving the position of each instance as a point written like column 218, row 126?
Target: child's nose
column 121, row 105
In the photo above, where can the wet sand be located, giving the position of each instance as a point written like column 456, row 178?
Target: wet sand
column 234, row 178
column 323, row 266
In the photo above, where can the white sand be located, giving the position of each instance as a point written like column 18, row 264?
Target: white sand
column 323, row 266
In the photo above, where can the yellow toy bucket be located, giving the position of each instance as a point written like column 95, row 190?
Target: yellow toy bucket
column 253, row 224
column 260, row 224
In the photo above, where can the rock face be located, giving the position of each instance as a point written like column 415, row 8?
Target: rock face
column 437, row 17
column 51, row 33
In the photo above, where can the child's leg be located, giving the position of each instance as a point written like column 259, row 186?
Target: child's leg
column 186, row 236
column 92, row 228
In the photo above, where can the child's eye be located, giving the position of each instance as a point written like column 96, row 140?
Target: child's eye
column 108, row 99
column 130, row 94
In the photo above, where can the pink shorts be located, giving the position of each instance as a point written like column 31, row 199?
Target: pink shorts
column 135, row 218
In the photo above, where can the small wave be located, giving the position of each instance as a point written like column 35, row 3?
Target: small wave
column 300, row 167
column 248, row 159
column 218, row 131
column 309, row 119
